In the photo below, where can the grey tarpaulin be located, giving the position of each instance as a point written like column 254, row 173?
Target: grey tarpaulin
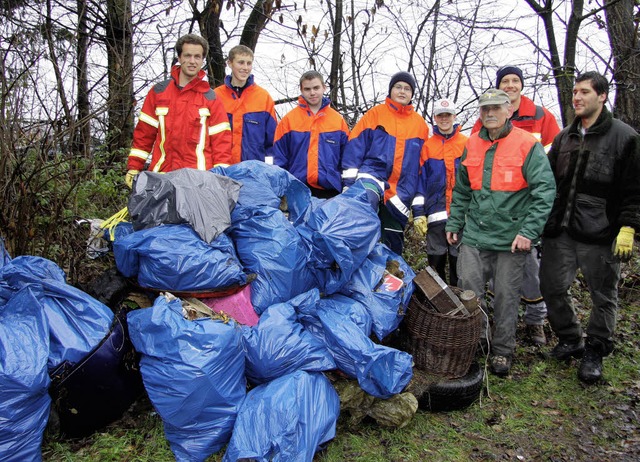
column 200, row 198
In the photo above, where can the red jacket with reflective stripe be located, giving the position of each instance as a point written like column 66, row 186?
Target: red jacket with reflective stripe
column 181, row 127
column 535, row 119
column 310, row 145
column 252, row 116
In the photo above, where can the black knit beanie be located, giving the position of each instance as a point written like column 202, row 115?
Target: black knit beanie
column 506, row 70
column 403, row 77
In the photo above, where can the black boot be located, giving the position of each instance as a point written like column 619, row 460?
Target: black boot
column 438, row 262
column 590, row 370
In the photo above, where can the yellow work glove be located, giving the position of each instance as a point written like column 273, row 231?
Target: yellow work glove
column 420, row 225
column 128, row 178
column 623, row 246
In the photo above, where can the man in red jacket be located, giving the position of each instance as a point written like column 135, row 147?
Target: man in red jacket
column 181, row 124
column 542, row 124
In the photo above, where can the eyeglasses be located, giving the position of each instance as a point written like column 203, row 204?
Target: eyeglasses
column 405, row 88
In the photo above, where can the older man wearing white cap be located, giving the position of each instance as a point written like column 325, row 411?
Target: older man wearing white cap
column 503, row 195
column 431, row 204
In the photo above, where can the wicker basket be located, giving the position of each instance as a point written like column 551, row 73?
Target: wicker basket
column 442, row 344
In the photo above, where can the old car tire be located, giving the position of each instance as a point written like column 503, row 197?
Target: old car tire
column 453, row 394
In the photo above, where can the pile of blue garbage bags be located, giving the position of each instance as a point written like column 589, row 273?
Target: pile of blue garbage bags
column 319, row 281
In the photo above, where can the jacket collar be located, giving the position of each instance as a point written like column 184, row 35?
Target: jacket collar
column 227, row 81
column 484, row 134
column 601, row 125
column 436, row 132
column 398, row 108
column 527, row 107
column 195, row 84
column 302, row 103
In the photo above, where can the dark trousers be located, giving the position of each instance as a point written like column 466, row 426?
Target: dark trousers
column 561, row 258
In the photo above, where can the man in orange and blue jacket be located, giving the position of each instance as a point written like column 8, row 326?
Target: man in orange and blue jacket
column 384, row 151
column 437, row 178
column 311, row 138
column 250, row 108
column 181, row 124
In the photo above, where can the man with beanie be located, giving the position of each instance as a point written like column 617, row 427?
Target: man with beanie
column 385, row 149
column 437, row 178
column 502, row 198
column 542, row 124
column 596, row 213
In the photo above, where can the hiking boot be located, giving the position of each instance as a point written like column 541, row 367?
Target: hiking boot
column 500, row 365
column 535, row 334
column 590, row 370
column 566, row 350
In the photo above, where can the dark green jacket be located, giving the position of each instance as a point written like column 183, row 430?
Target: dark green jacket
column 492, row 219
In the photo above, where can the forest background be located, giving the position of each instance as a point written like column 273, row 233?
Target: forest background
column 73, row 75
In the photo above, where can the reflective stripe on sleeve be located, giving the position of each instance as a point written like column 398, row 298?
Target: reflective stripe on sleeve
column 149, row 120
column 366, row 176
column 398, row 204
column 350, row 173
column 219, row 128
column 417, row 201
column 139, row 153
column 438, row 216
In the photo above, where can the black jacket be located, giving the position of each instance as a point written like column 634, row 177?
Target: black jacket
column 598, row 180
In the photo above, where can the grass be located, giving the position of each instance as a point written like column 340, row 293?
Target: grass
column 541, row 411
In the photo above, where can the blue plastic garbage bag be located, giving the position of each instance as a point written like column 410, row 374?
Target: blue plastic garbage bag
column 265, row 185
column 285, row 420
column 77, row 322
column 341, row 232
column 173, row 257
column 279, row 345
column 122, row 229
column 381, row 371
column 385, row 296
column 24, row 381
column 193, row 372
column 269, row 246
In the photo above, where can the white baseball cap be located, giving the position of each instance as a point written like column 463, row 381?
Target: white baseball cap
column 444, row 105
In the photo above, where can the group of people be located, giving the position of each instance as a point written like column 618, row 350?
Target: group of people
column 482, row 202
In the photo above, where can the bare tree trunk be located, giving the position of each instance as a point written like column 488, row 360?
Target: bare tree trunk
column 209, row 24
column 563, row 73
column 260, row 15
column 336, row 55
column 623, row 37
column 120, row 105
column 82, row 136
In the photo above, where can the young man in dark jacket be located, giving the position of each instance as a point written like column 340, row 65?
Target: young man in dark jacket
column 596, row 164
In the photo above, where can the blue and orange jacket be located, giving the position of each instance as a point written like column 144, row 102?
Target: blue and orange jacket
column 252, row 116
column 534, row 119
column 181, row 128
column 438, row 174
column 310, row 145
column 386, row 146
